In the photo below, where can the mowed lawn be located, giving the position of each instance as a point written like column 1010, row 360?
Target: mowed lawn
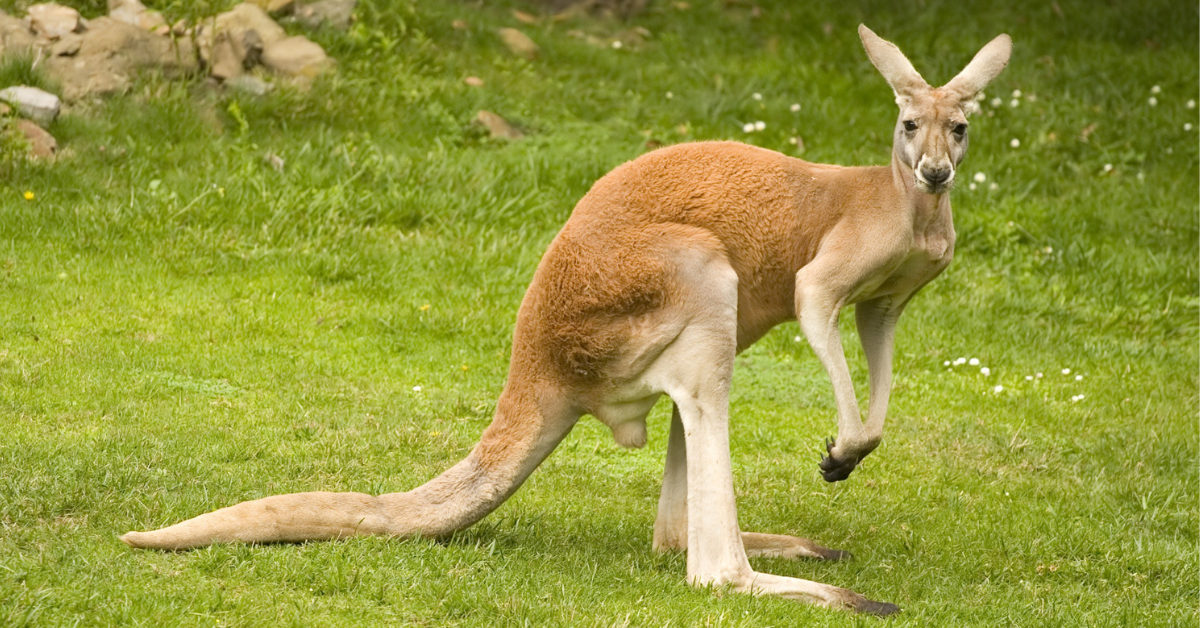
column 183, row 326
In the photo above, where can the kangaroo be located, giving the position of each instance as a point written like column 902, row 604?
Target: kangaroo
column 669, row 266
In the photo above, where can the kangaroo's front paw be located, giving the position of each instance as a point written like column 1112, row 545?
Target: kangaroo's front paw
column 834, row 469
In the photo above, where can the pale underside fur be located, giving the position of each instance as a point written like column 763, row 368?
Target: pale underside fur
column 667, row 268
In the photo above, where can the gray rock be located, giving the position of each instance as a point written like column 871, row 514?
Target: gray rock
column 33, row 103
column 336, row 13
column 296, row 56
column 249, row 84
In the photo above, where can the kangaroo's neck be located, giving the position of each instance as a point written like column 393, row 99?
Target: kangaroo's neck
column 925, row 209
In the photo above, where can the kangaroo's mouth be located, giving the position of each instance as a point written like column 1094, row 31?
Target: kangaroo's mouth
column 933, row 187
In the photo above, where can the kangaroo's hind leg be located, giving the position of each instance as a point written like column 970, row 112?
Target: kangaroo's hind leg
column 696, row 371
column 670, row 526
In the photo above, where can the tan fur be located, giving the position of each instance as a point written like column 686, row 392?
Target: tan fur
column 670, row 265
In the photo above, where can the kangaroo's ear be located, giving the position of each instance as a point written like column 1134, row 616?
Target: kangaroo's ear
column 892, row 64
column 987, row 64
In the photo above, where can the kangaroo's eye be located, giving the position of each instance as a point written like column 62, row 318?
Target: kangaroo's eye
column 910, row 126
column 960, row 130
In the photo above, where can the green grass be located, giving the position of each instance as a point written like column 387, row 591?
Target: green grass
column 184, row 327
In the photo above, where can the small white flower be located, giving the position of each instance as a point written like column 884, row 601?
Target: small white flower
column 796, row 339
column 959, row 361
column 1014, row 103
column 1015, row 143
column 1191, row 104
column 617, row 45
column 1187, row 126
column 1108, row 167
column 1066, row 371
column 998, row 389
column 946, row 363
column 756, row 96
column 993, row 186
column 670, row 95
column 760, row 125
column 748, row 127
column 794, row 141
column 1029, row 378
column 985, row 371
column 1156, row 90
column 1141, row 176
column 1039, row 375
column 795, row 107
column 980, row 97
column 973, row 362
column 1049, row 250
column 1016, row 93
column 971, row 187
column 1152, row 101
column 416, row 389
column 980, row 177
column 1079, row 378
column 996, row 102
column 1077, row 398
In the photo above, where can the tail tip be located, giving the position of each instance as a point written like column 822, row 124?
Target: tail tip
column 132, row 539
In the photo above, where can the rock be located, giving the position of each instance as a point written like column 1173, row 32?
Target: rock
column 67, row 46
column 151, row 20
column 249, row 84
column 53, row 20
column 498, row 127
column 33, row 103
column 275, row 161
column 519, row 43
column 111, row 52
column 224, row 62
column 234, row 26
column 274, row 6
column 524, row 17
column 15, row 35
column 336, row 13
column 42, row 145
column 295, row 56
column 473, row 81
column 127, row 11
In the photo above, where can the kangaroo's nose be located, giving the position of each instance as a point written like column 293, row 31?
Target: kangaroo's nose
column 936, row 177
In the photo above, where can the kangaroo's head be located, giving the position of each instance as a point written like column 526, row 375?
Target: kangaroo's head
column 931, row 132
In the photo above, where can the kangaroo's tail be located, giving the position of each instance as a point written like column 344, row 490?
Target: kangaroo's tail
column 519, row 438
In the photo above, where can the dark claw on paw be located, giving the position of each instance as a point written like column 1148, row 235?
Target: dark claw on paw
column 832, row 469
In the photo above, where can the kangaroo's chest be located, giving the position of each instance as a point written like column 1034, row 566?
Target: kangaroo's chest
column 927, row 255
